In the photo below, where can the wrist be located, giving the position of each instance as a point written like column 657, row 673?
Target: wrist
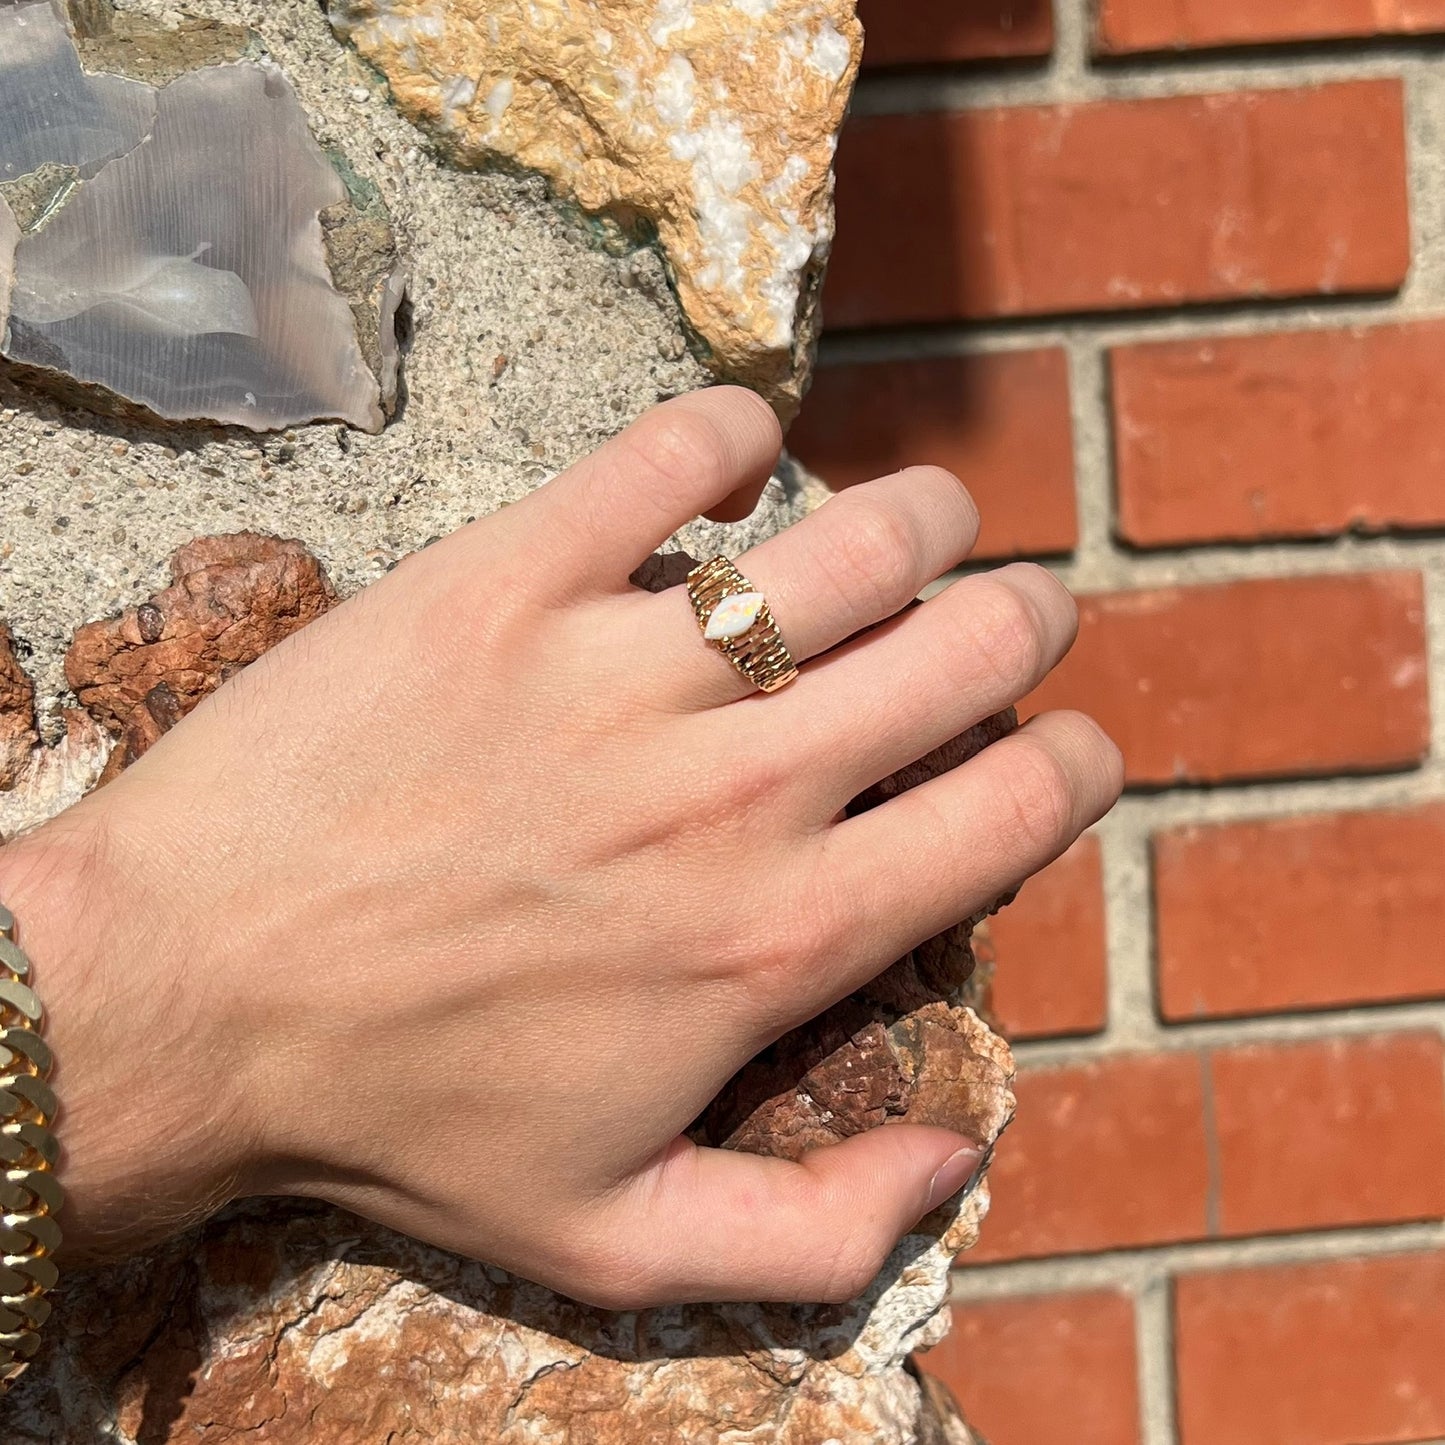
column 152, row 1128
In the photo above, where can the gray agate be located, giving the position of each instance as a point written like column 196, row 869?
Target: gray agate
column 166, row 243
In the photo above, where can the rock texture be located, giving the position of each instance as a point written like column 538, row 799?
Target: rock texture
column 300, row 1326
column 284, row 1322
column 170, row 234
column 531, row 346
column 709, row 124
column 37, row 781
column 231, row 599
column 18, row 735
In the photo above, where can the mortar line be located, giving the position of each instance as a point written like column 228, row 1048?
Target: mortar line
column 1133, row 1268
column 1067, row 81
column 1201, row 320
column 1128, row 929
column 1092, row 447
column 1154, row 1342
column 1071, row 62
column 1349, row 1023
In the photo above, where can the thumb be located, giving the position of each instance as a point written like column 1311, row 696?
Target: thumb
column 711, row 1224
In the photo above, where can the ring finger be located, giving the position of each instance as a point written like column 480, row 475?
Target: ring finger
column 859, row 559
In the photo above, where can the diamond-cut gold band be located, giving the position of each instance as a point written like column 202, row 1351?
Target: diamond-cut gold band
column 759, row 653
column 30, row 1198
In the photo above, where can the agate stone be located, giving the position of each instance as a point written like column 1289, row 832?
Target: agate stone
column 165, row 244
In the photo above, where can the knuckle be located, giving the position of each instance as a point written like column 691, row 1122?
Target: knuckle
column 742, row 788
column 1043, row 792
column 812, row 936
column 1008, row 635
column 684, row 447
column 778, row 956
column 873, row 556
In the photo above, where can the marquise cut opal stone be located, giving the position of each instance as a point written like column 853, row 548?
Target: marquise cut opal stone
column 733, row 616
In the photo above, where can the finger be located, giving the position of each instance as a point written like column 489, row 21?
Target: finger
column 894, row 696
column 608, row 514
column 860, row 558
column 911, row 869
column 710, row 1224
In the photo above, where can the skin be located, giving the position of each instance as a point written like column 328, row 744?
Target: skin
column 456, row 908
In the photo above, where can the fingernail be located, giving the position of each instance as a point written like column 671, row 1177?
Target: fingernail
column 957, row 1170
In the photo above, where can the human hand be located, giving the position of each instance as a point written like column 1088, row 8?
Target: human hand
column 459, row 906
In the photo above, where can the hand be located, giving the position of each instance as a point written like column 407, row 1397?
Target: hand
column 458, row 907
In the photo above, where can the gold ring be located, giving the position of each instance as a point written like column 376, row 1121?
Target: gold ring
column 734, row 616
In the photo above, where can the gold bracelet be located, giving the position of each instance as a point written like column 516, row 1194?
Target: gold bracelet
column 30, row 1197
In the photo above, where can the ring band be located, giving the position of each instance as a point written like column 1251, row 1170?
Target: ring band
column 735, row 617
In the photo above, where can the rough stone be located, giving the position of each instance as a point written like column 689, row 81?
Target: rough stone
column 710, row 125
column 297, row 1325
column 146, row 273
column 531, row 347
column 288, row 1322
column 57, row 775
column 18, row 734
column 231, row 599
column 10, row 233
column 37, row 781
column 138, row 48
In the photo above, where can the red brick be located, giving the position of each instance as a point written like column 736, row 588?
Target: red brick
column 1134, row 1151
column 1001, row 421
column 1051, row 954
column 1301, row 913
column 1052, row 1370
column 1128, row 26
column 1299, row 434
column 1329, row 1134
column 1275, row 678
column 1040, row 209
column 1339, row 1353
column 929, row 31
column 1102, row 1156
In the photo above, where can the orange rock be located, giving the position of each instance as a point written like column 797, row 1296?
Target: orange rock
column 17, row 713
column 232, row 599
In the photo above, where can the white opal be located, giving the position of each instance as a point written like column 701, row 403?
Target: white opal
column 733, row 616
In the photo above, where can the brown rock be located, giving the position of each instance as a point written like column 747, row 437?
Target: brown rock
column 232, row 599
column 36, row 781
column 711, row 127
column 302, row 1326
column 18, row 735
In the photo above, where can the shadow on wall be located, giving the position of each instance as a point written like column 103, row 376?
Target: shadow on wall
column 914, row 32
column 912, row 249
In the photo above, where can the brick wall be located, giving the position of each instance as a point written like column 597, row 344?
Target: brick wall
column 1164, row 281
